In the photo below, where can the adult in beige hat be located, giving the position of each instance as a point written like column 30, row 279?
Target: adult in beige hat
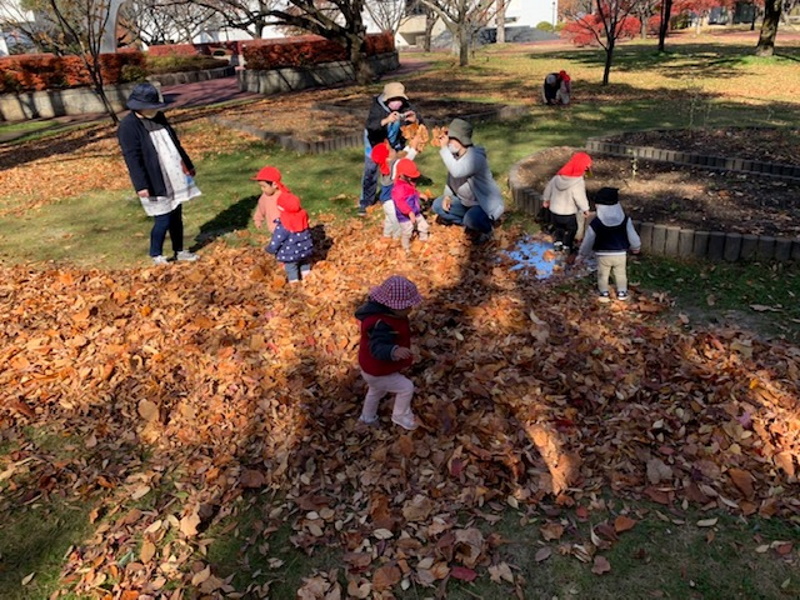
column 389, row 111
column 471, row 197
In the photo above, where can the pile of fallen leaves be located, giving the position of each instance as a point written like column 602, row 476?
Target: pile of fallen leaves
column 194, row 384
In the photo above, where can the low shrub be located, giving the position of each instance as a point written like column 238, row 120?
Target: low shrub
column 173, row 63
column 35, row 72
column 173, row 50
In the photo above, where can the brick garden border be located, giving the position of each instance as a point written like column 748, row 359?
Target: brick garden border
column 670, row 240
column 355, row 140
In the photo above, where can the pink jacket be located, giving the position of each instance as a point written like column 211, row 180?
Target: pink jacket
column 267, row 210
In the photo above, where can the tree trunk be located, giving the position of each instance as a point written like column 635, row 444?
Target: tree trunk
column 462, row 39
column 663, row 27
column 501, row 21
column 769, row 28
column 358, row 58
column 430, row 21
column 609, row 59
column 92, row 65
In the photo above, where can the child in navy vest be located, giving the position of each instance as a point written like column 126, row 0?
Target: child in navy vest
column 385, row 349
column 610, row 235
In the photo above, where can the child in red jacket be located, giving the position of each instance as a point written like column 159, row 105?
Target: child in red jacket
column 385, row 349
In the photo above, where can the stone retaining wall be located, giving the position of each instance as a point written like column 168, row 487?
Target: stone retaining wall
column 83, row 101
column 325, row 74
column 170, row 79
column 668, row 240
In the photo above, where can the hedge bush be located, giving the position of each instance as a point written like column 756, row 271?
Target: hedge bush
column 36, row 72
column 172, row 63
column 262, row 55
column 173, row 50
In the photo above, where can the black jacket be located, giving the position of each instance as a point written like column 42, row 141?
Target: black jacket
column 140, row 154
column 378, row 111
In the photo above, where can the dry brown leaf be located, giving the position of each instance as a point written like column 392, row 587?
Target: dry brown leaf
column 623, row 523
column 542, row 554
column 147, row 552
column 601, row 565
column 386, row 577
column 148, row 410
column 552, row 531
column 189, row 523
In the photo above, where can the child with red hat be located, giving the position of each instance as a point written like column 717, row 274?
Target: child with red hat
column 269, row 179
column 565, row 196
column 291, row 241
column 407, row 203
column 385, row 349
column 385, row 157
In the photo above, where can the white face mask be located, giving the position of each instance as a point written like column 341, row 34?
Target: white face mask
column 395, row 104
column 454, row 150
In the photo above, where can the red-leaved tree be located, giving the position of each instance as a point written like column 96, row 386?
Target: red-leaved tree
column 611, row 21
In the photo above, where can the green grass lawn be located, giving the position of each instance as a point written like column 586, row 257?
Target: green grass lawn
column 703, row 84
column 665, row 555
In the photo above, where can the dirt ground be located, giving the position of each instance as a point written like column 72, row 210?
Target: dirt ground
column 692, row 198
column 336, row 115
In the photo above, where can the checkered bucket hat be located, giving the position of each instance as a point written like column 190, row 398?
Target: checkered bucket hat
column 396, row 292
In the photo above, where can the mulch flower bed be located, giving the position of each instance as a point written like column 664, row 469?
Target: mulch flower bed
column 687, row 197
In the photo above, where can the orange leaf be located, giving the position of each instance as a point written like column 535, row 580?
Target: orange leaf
column 623, row 523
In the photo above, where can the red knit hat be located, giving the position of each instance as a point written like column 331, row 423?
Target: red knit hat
column 380, row 156
column 397, row 292
column 577, row 165
column 406, row 166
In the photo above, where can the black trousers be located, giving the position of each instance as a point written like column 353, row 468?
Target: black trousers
column 564, row 229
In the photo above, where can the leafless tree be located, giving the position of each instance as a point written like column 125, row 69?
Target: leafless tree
column 463, row 19
column 83, row 24
column 34, row 24
column 387, row 14
column 337, row 20
column 165, row 21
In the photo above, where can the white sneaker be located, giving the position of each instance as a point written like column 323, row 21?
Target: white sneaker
column 405, row 421
column 160, row 260
column 186, row 256
column 373, row 422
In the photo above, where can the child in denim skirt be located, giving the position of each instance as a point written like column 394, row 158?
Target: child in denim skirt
column 291, row 241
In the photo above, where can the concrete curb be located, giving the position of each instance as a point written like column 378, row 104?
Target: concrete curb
column 663, row 240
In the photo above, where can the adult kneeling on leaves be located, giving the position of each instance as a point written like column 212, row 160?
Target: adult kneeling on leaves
column 471, row 197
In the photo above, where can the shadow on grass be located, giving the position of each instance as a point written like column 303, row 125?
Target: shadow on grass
column 234, row 218
column 33, row 539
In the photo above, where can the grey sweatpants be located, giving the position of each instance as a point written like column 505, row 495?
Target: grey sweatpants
column 407, row 230
column 615, row 264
